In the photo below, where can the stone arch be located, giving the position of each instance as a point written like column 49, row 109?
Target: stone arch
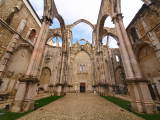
column 84, row 51
column 112, row 35
column 24, row 45
column 52, row 36
column 82, row 20
column 148, row 61
column 63, row 32
column 101, row 26
column 82, row 40
column 137, row 46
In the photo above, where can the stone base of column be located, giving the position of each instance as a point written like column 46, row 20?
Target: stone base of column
column 27, row 105
column 16, row 106
column 59, row 90
column 141, row 99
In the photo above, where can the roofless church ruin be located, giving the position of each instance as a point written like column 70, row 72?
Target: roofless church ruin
column 31, row 64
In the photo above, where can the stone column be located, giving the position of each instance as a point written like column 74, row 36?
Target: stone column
column 36, row 48
column 17, row 103
column 38, row 58
column 124, row 53
column 93, row 38
column 133, row 60
column 57, row 41
column 141, row 98
column 71, row 40
column 28, row 102
column 107, row 41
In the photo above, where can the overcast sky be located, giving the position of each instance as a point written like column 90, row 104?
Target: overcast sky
column 73, row 10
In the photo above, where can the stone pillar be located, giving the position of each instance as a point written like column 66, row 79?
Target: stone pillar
column 124, row 53
column 57, row 41
column 133, row 60
column 28, row 102
column 71, row 40
column 17, row 103
column 93, row 38
column 38, row 58
column 141, row 98
column 59, row 90
column 36, row 48
column 107, row 41
column 119, row 6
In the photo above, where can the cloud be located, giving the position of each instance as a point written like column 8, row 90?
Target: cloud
column 73, row 10
column 112, row 42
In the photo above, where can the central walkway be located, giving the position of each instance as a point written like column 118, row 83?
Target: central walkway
column 82, row 106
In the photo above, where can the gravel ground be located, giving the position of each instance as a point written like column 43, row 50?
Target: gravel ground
column 81, row 106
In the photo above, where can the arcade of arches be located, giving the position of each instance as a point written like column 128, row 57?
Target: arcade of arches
column 31, row 63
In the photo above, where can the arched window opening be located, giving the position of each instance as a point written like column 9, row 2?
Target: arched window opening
column 82, row 42
column 56, row 24
column 32, row 35
column 117, row 58
column 82, row 31
column 47, row 60
column 56, row 41
column 60, row 42
column 134, row 35
column 112, row 42
column 83, row 68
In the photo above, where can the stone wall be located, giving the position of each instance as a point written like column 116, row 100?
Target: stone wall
column 12, row 12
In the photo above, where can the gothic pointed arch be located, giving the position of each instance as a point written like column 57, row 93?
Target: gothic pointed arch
column 100, row 26
column 138, row 45
column 82, row 20
column 63, row 31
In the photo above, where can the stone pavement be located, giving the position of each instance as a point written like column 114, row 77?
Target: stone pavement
column 83, row 106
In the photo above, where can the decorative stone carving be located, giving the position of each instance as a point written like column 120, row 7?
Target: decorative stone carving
column 23, row 54
column 10, row 73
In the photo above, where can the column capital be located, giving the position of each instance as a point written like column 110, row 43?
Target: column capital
column 120, row 17
column 47, row 20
